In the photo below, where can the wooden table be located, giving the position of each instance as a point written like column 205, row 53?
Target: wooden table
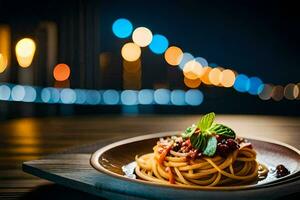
column 29, row 139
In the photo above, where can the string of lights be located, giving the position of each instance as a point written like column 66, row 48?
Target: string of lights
column 196, row 70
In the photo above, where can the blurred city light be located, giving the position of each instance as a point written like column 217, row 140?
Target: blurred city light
column 214, row 76
column 185, row 57
column 277, row 93
column 256, row 86
column 61, row 72
column 67, row 96
column 122, row 28
column 25, row 50
column 242, row 83
column 46, row 95
column 205, row 75
column 129, row 97
column 146, row 96
column 5, row 47
column 93, row 97
column 162, row 96
column 3, row 63
column 291, row 91
column 227, row 78
column 173, row 55
column 192, row 83
column 178, row 97
column 30, row 94
column 193, row 70
column 266, row 92
column 18, row 93
column 193, row 97
column 142, row 36
column 202, row 61
column 80, row 96
column 131, row 52
column 159, row 44
column 4, row 92
column 111, row 97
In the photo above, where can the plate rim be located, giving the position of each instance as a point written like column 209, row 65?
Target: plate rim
column 96, row 165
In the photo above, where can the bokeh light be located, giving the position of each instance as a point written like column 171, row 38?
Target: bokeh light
column 18, row 93
column 61, row 72
column 214, row 76
column 266, row 92
column 242, row 83
column 142, row 36
column 67, row 96
column 173, row 55
column 291, row 91
column 122, row 28
column 277, row 93
column 3, row 63
column 178, row 97
column 227, row 78
column 132, row 67
column 146, row 96
column 159, row 44
column 25, row 50
column 111, row 97
column 129, row 97
column 131, row 52
column 298, row 97
column 162, row 96
column 4, row 92
column 80, row 96
column 205, row 76
column 193, row 70
column 30, row 94
column 192, row 83
column 46, row 95
column 193, row 97
column 256, row 86
column 186, row 57
column 202, row 61
column 93, row 97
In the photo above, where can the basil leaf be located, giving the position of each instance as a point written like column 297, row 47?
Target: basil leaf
column 206, row 121
column 189, row 132
column 221, row 129
column 203, row 145
column 211, row 146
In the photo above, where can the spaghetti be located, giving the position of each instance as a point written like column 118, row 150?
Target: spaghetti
column 177, row 161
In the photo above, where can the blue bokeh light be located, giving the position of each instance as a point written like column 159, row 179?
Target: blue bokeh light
column 186, row 57
column 46, row 95
column 256, row 86
column 4, row 92
column 146, row 96
column 129, row 97
column 67, row 96
column 55, row 95
column 178, row 97
column 93, row 97
column 111, row 97
column 30, row 94
column 18, row 93
column 80, row 96
column 159, row 44
column 193, row 97
column 202, row 61
column 162, row 96
column 122, row 28
column 242, row 83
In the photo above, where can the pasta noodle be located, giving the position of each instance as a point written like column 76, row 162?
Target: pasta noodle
column 239, row 167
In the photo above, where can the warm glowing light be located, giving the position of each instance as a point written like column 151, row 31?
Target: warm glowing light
column 131, row 52
column 266, row 92
column 184, row 58
column 61, row 72
column 25, row 50
column 173, row 55
column 215, row 76
column 193, row 70
column 204, row 77
column 192, row 83
column 62, row 84
column 277, row 93
column 227, row 78
column 132, row 67
column 291, row 91
column 142, row 36
column 3, row 63
column 298, row 96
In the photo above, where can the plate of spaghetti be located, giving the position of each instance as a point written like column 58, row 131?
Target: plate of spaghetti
column 205, row 156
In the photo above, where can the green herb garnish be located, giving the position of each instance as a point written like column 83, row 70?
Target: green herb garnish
column 205, row 140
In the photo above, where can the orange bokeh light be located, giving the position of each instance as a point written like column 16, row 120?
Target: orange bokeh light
column 205, row 78
column 193, row 70
column 215, row 76
column 227, row 78
column 192, row 83
column 173, row 55
column 61, row 72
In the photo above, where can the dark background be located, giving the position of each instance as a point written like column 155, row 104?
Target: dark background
column 257, row 38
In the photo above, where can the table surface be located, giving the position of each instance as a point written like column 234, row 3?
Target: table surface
column 30, row 139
